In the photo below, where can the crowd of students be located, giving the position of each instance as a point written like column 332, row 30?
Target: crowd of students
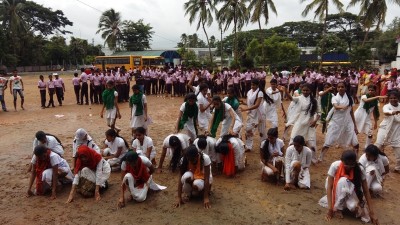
column 208, row 135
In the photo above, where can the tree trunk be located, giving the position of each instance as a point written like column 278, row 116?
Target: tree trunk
column 324, row 37
column 235, row 44
column 222, row 58
column 208, row 43
column 365, row 36
column 262, row 45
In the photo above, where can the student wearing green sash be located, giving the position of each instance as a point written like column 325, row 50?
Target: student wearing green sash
column 187, row 118
column 368, row 108
column 138, row 105
column 110, row 103
column 223, row 112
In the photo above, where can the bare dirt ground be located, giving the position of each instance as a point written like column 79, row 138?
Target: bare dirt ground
column 242, row 200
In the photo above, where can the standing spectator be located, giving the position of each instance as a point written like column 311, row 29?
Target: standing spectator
column 60, row 88
column 17, row 86
column 42, row 89
column 3, row 87
column 77, row 86
column 85, row 87
column 51, row 87
column 96, row 80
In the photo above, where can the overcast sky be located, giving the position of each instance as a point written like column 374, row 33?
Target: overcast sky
column 167, row 17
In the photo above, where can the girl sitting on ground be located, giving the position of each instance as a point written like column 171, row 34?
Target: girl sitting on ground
column 271, row 154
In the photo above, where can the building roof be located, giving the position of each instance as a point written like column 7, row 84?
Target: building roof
column 168, row 54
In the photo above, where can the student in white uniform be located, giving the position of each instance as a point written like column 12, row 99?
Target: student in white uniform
column 272, row 109
column 91, row 174
column 342, row 127
column 233, row 101
column 136, row 174
column 82, row 138
column 195, row 177
column 232, row 152
column 368, row 108
column 389, row 129
column 138, row 104
column 272, row 156
column 254, row 108
column 143, row 145
column 346, row 187
column 50, row 141
column 206, row 144
column 297, row 163
column 204, row 115
column 223, row 112
column 116, row 147
column 174, row 144
column 110, row 103
column 376, row 166
column 187, row 118
column 306, row 117
column 48, row 168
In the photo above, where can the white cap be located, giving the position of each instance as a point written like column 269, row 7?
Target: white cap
column 80, row 135
column 55, row 74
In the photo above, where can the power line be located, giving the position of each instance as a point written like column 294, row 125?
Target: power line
column 90, row 6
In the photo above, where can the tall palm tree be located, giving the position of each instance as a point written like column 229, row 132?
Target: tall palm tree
column 235, row 11
column 201, row 10
column 321, row 12
column 260, row 9
column 372, row 12
column 110, row 25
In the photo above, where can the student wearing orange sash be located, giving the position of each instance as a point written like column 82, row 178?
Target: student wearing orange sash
column 346, row 187
column 48, row 168
column 232, row 153
column 136, row 175
column 195, row 176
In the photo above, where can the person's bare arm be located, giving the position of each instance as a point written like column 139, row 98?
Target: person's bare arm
column 179, row 197
column 177, row 121
column 329, row 189
column 11, row 83
column 22, row 83
column 190, row 83
column 255, row 106
column 116, row 106
column 145, row 111
column 54, row 182
column 373, row 98
column 354, row 121
column 367, row 195
column 31, row 180
column 162, row 157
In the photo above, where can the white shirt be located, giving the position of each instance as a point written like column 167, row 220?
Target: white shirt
column 144, row 159
column 51, row 144
column 380, row 162
column 142, row 148
column 114, row 145
column 272, row 148
column 16, row 82
column 183, row 138
column 55, row 160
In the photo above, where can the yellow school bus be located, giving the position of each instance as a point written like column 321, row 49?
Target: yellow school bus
column 128, row 61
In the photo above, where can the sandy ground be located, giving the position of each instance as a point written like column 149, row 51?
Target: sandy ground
column 244, row 199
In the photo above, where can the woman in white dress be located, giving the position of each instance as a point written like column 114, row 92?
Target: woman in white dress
column 346, row 187
column 138, row 104
column 307, row 117
column 174, row 144
column 389, row 129
column 271, row 111
column 342, row 127
column 116, row 147
column 187, row 118
column 82, row 138
column 232, row 152
column 368, row 108
column 143, row 145
column 223, row 112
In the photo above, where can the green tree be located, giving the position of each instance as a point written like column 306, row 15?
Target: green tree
column 303, row 32
column 332, row 43
column 235, row 11
column 110, row 27
column 385, row 42
column 260, row 8
column 346, row 26
column 56, row 50
column 359, row 56
column 321, row 11
column 201, row 10
column 78, row 50
column 136, row 36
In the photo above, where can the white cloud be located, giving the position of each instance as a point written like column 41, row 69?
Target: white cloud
column 167, row 17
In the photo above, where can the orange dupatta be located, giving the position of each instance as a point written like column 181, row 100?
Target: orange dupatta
column 197, row 170
column 341, row 172
column 229, row 161
column 41, row 166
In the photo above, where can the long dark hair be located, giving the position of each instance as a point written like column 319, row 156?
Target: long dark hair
column 114, row 134
column 191, row 152
column 176, row 144
column 374, row 150
column 265, row 148
column 313, row 106
column 223, row 147
column 348, row 157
